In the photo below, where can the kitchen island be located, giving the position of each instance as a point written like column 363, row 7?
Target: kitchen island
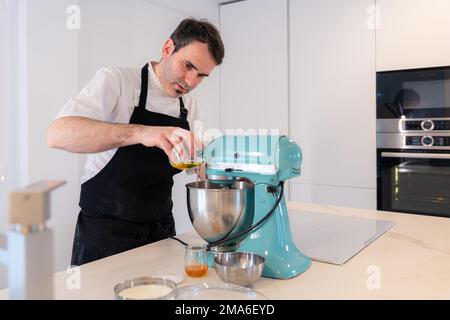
column 410, row 261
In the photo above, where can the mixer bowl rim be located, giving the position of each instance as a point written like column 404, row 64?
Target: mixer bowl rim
column 194, row 185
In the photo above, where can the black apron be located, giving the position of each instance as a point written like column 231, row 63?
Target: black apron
column 129, row 202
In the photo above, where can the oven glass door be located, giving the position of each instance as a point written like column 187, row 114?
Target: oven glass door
column 414, row 182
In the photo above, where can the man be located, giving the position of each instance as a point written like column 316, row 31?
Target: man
column 128, row 121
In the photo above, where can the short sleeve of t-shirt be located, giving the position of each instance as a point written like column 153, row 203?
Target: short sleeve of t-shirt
column 97, row 99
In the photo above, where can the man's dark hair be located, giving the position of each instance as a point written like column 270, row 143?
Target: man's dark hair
column 190, row 30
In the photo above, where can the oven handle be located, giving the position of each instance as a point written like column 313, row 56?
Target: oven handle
column 415, row 155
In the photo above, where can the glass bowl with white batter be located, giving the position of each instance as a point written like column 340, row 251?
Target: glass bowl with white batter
column 145, row 288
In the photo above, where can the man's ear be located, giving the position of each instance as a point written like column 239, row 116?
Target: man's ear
column 168, row 48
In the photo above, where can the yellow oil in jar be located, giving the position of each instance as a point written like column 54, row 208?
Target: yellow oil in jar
column 185, row 165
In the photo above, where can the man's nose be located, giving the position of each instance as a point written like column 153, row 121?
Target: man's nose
column 191, row 79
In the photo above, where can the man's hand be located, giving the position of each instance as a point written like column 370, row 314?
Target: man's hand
column 169, row 139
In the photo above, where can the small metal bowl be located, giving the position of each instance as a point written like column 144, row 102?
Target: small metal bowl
column 241, row 268
column 124, row 290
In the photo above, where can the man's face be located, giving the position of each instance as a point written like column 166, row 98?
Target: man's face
column 182, row 71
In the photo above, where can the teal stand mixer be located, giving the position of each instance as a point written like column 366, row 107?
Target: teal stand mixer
column 241, row 206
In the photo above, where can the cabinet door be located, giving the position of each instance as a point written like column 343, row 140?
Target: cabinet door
column 254, row 77
column 332, row 96
column 413, row 34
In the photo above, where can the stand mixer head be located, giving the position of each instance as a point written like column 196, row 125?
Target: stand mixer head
column 241, row 206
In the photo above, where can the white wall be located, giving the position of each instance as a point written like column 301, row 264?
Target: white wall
column 5, row 124
column 52, row 77
column 13, row 107
column 13, row 122
column 5, row 110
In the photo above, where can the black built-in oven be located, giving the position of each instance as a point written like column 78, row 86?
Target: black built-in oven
column 414, row 181
column 413, row 141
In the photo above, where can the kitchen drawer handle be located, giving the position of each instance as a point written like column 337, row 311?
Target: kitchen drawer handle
column 416, row 155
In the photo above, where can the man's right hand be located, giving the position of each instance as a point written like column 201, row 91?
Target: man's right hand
column 168, row 139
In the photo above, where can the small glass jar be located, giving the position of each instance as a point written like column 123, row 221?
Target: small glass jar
column 196, row 261
column 183, row 157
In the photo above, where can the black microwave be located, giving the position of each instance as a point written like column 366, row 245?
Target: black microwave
column 414, row 93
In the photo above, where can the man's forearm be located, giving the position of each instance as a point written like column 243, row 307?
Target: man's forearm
column 83, row 135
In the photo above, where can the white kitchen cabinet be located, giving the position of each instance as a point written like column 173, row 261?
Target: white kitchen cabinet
column 413, row 34
column 254, row 75
column 332, row 99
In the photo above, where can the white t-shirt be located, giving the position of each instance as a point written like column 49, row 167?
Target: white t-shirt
column 111, row 97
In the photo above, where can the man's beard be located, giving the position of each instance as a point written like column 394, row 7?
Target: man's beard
column 182, row 84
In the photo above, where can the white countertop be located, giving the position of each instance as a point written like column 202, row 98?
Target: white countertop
column 410, row 261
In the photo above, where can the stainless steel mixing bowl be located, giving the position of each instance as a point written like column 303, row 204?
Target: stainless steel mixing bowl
column 242, row 268
column 218, row 211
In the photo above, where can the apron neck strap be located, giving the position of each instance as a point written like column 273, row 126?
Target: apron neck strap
column 183, row 110
column 144, row 87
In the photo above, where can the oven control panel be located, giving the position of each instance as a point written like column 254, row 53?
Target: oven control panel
column 427, row 141
column 427, row 125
